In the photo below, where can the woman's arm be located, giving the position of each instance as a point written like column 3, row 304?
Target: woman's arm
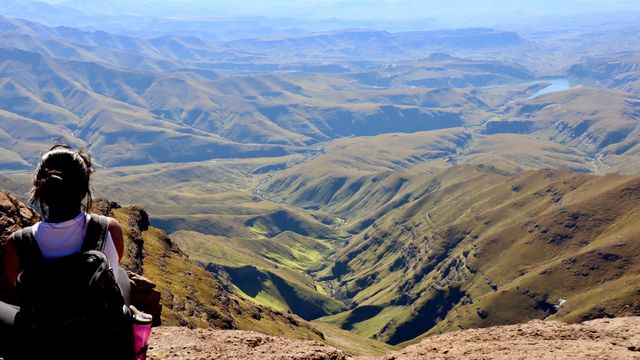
column 11, row 262
column 116, row 234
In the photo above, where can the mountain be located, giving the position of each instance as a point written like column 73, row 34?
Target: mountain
column 162, row 53
column 368, row 43
column 174, row 51
column 384, row 186
column 442, row 71
column 210, row 117
column 347, row 178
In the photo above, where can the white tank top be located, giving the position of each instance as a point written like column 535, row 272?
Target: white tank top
column 65, row 238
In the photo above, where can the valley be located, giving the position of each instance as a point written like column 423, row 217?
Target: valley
column 392, row 185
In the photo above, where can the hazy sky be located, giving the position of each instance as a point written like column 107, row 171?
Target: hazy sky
column 391, row 15
column 355, row 9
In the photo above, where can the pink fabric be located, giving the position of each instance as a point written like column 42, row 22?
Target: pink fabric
column 141, row 334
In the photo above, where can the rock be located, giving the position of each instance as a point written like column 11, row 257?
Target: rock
column 145, row 297
column 14, row 215
column 104, row 206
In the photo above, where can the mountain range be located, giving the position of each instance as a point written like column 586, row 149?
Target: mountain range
column 383, row 186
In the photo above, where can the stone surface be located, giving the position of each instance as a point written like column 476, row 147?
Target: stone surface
column 183, row 343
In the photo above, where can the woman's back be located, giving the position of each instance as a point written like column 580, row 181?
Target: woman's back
column 65, row 238
column 72, row 295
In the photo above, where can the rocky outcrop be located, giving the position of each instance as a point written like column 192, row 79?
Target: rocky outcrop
column 14, row 215
column 145, row 297
column 183, row 343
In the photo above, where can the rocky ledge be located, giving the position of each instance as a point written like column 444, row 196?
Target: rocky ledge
column 541, row 340
column 171, row 342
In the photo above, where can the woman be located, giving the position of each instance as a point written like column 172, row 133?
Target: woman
column 61, row 190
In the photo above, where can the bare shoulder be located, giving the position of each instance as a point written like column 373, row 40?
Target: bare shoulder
column 114, row 225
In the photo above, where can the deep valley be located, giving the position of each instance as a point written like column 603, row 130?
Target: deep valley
column 385, row 185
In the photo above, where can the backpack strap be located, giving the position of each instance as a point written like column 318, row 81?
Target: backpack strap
column 96, row 233
column 27, row 247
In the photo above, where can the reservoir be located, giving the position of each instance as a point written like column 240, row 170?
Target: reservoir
column 557, row 84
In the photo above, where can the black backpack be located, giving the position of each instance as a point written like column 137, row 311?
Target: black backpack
column 71, row 307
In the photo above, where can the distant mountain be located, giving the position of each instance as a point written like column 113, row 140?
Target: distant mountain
column 591, row 119
column 618, row 72
column 212, row 115
column 86, row 103
column 362, row 43
column 156, row 54
column 40, row 11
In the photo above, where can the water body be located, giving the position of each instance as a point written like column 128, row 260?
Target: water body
column 556, row 84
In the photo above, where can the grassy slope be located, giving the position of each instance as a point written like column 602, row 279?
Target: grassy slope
column 267, row 248
column 353, row 178
column 130, row 116
column 594, row 120
column 110, row 109
column 191, row 296
column 493, row 249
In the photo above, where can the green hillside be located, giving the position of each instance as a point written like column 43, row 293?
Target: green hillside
column 488, row 249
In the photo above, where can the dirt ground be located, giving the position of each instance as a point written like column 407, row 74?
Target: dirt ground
column 599, row 339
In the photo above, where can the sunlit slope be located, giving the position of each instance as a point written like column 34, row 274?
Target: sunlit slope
column 268, row 257
column 191, row 296
column 347, row 168
column 256, row 276
column 482, row 248
column 518, row 152
column 594, row 120
column 135, row 117
column 90, row 104
column 619, row 71
column 354, row 178
column 207, row 207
